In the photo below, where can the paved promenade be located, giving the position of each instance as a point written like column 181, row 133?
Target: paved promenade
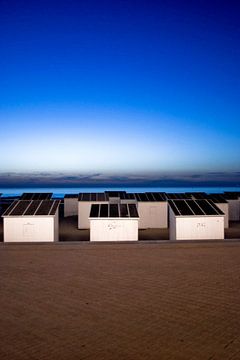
column 120, row 301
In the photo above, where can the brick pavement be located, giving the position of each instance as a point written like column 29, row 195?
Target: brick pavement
column 120, row 301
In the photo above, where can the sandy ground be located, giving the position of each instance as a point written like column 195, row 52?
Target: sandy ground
column 120, row 301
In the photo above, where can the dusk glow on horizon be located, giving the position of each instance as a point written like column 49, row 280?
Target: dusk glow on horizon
column 119, row 87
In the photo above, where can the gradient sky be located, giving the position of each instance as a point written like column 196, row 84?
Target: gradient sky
column 120, row 86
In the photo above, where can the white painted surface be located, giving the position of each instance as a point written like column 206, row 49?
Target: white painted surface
column 56, row 225
column 114, row 200
column 113, row 229
column 70, row 206
column 128, row 201
column 196, row 227
column 153, row 214
column 30, row 229
column 172, row 225
column 84, row 208
column 225, row 209
column 234, row 210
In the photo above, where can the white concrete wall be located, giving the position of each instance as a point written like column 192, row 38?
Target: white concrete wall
column 114, row 200
column 225, row 208
column 153, row 214
column 84, row 208
column 128, row 201
column 30, row 229
column 56, row 225
column 70, row 206
column 197, row 228
column 113, row 229
column 172, row 225
column 234, row 210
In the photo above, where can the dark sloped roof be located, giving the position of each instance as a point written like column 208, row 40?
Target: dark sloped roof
column 217, row 198
column 194, row 207
column 32, row 208
column 197, row 195
column 231, row 195
column 71, row 196
column 92, row 197
column 114, row 211
column 35, row 196
column 178, row 196
column 150, row 196
column 116, row 194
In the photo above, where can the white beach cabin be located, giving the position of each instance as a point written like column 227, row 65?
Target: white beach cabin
column 31, row 221
column 195, row 220
column 85, row 201
column 70, row 205
column 113, row 222
column 223, row 205
column 152, row 210
column 233, row 199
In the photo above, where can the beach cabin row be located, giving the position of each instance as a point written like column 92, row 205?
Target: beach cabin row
column 152, row 207
column 34, row 217
column 189, row 220
column 38, row 221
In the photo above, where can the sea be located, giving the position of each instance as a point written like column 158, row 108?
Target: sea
column 59, row 192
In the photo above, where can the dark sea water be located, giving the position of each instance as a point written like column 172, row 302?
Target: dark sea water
column 60, row 192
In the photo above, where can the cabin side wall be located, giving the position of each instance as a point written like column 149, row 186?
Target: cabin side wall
column 28, row 229
column 172, row 225
column 225, row 208
column 234, row 210
column 84, row 208
column 153, row 215
column 70, row 206
column 56, row 226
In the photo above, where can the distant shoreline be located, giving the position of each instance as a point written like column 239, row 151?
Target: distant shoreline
column 61, row 191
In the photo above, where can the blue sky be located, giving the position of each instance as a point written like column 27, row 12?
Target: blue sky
column 120, row 87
